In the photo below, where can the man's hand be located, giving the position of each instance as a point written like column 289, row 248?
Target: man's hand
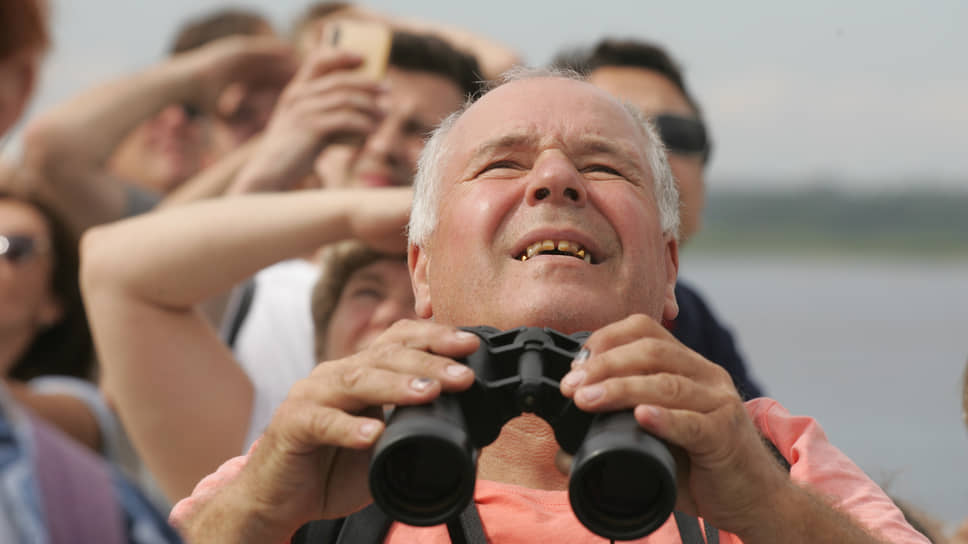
column 312, row 461
column 729, row 477
column 226, row 69
column 324, row 103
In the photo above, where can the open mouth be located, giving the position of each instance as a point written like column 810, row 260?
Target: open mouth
column 566, row 248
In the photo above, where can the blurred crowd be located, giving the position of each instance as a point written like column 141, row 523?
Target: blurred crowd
column 181, row 245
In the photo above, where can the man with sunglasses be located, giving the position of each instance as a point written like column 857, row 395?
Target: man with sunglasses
column 644, row 75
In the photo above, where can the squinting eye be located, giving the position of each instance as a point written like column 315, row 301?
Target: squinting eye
column 602, row 168
column 500, row 165
column 368, row 293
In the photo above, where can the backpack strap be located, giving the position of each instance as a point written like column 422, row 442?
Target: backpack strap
column 240, row 302
column 467, row 528
column 371, row 525
column 688, row 525
column 368, row 526
column 76, row 489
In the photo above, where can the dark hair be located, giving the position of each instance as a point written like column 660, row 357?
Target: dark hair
column 632, row 54
column 628, row 53
column 22, row 25
column 218, row 24
column 66, row 347
column 428, row 53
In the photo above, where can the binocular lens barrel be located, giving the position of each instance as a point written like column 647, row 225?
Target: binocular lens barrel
column 623, row 480
column 424, row 466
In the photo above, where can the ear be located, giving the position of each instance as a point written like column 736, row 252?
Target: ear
column 418, row 260
column 670, row 308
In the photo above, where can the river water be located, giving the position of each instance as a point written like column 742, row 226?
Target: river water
column 873, row 348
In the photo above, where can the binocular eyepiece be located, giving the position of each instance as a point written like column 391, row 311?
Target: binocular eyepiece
column 622, row 484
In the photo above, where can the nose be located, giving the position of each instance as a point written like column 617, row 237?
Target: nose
column 386, row 142
column 555, row 180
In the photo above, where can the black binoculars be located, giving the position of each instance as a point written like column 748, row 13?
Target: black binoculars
column 623, row 480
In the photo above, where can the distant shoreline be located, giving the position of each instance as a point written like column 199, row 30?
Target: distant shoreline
column 913, row 223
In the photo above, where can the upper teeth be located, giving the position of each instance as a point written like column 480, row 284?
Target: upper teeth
column 565, row 246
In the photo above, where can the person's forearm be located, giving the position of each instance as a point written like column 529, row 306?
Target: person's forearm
column 801, row 517
column 181, row 256
column 231, row 516
column 212, row 181
column 70, row 414
column 84, row 131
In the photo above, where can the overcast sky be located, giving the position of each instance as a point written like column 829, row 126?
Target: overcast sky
column 867, row 94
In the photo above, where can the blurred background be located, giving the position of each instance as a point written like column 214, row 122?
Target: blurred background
column 836, row 234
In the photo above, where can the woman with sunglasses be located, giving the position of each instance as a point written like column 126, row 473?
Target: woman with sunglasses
column 43, row 329
column 51, row 488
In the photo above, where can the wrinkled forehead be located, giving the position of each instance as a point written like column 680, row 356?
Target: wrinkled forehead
column 545, row 111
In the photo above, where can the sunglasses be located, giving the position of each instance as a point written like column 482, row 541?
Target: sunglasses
column 683, row 135
column 17, row 248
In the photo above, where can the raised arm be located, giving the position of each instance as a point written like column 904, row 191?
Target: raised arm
column 212, row 181
column 177, row 388
column 71, row 144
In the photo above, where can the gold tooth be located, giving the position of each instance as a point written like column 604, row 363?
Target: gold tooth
column 581, row 253
column 524, row 258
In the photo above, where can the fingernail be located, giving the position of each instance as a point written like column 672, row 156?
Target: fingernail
column 591, row 393
column 369, row 428
column 464, row 335
column 580, row 358
column 421, row 384
column 457, row 371
column 573, row 378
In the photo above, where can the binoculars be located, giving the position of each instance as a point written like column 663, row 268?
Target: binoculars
column 622, row 484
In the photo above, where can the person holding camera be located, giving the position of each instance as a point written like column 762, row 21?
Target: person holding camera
column 546, row 203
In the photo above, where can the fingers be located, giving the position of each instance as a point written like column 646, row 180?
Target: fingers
column 311, row 425
column 663, row 389
column 710, row 439
column 411, row 363
column 325, row 408
column 626, row 331
column 353, row 384
column 338, row 105
column 429, row 336
column 324, row 61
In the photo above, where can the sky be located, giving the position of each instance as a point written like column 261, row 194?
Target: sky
column 865, row 95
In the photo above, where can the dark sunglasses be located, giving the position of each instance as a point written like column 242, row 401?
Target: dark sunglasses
column 17, row 248
column 685, row 135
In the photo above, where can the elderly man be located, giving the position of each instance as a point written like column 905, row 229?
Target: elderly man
column 546, row 158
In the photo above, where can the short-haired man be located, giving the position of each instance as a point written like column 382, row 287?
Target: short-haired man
column 346, row 129
column 644, row 75
column 538, row 159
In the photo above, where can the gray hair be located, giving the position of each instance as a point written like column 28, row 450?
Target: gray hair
column 427, row 181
